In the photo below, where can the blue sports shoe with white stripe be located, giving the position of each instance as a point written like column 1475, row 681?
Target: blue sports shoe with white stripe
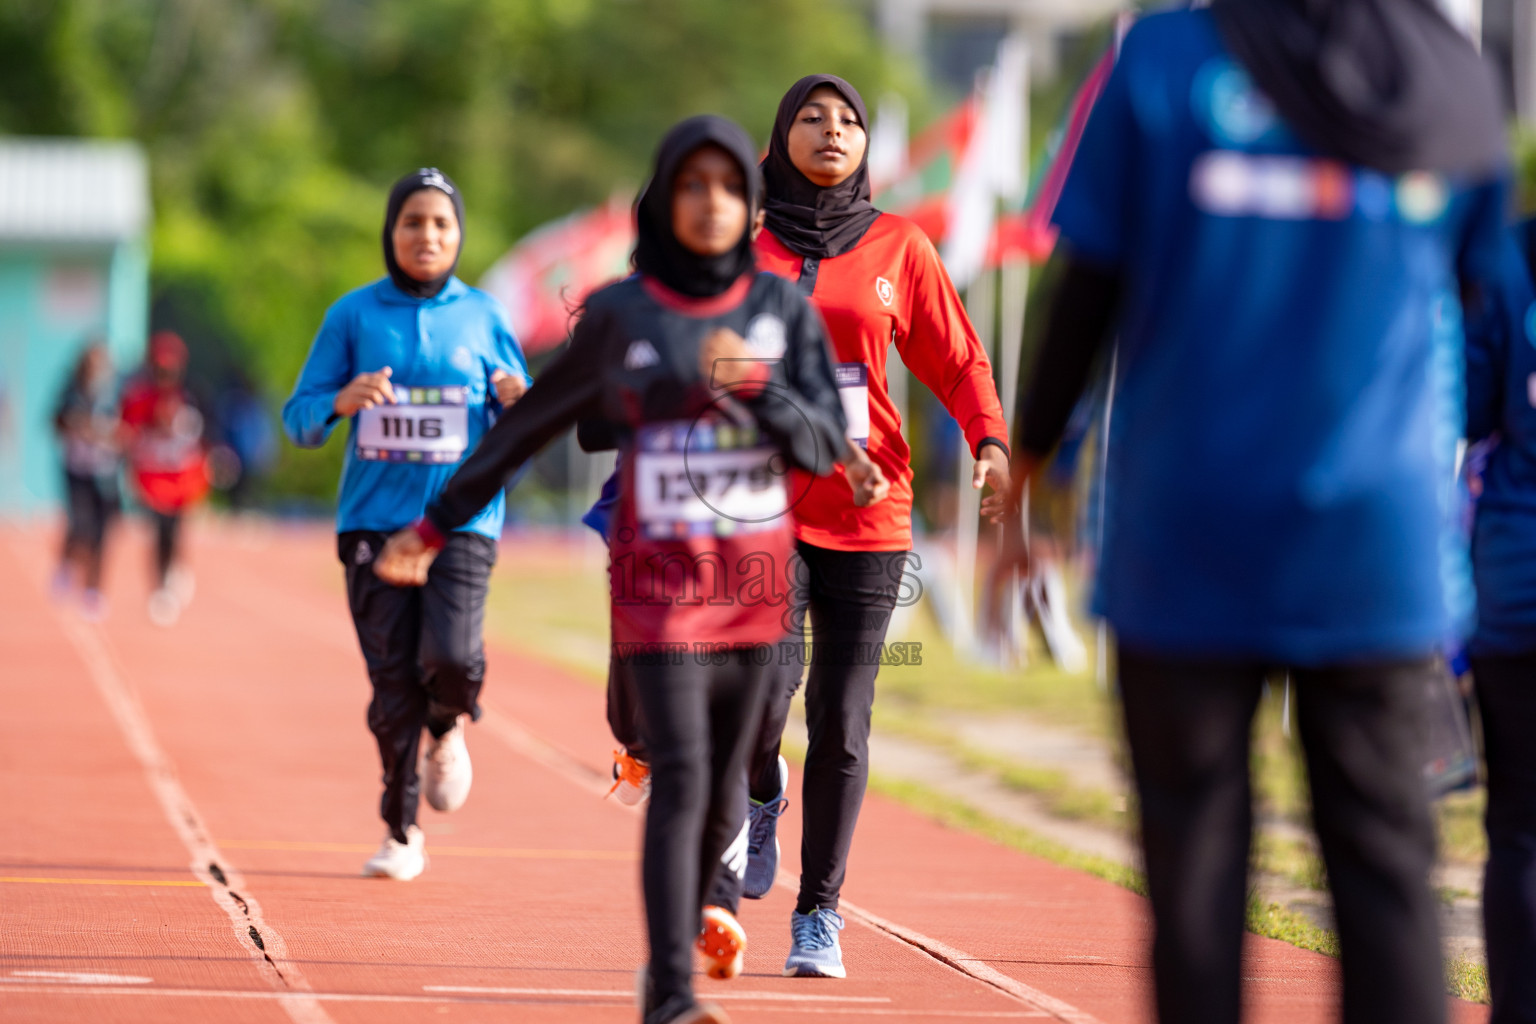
column 814, row 950
column 763, row 840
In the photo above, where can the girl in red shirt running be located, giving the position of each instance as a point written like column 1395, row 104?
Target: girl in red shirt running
column 876, row 279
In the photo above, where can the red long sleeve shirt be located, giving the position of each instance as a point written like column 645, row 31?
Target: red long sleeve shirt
column 890, row 287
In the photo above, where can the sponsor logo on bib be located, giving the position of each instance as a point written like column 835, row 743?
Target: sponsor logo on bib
column 884, row 290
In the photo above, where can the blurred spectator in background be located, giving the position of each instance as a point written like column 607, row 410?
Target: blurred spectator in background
column 164, row 432
column 87, row 423
column 5, row 412
column 247, row 440
column 940, row 492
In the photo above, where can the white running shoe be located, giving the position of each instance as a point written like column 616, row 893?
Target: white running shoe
column 400, row 861
column 447, row 775
column 180, row 581
column 164, row 609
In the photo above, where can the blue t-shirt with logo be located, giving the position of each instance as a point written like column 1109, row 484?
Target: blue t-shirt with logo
column 1501, row 414
column 441, row 353
column 1283, row 421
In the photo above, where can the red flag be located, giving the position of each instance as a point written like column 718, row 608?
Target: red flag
column 552, row 270
column 922, row 193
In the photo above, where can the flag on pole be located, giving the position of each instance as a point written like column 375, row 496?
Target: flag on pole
column 1030, row 234
column 921, row 193
column 551, row 271
column 993, row 166
column 888, row 142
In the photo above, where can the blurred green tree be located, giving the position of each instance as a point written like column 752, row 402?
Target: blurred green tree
column 274, row 127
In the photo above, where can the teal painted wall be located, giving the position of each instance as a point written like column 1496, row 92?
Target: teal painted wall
column 54, row 300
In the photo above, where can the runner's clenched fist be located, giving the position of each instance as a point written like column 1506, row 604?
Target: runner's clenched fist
column 365, row 391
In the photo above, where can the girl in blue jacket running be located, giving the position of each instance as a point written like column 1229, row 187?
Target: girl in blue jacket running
column 420, row 363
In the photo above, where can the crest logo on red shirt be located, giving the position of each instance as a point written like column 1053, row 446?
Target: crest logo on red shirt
column 884, row 290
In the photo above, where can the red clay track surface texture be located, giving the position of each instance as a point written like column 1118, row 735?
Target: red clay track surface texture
column 188, row 809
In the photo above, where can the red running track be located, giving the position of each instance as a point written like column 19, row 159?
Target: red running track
column 188, row 809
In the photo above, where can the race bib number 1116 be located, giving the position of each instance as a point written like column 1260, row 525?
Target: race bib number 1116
column 429, row 425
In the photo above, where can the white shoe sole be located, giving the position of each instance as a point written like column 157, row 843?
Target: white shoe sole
column 807, row 971
column 724, row 933
column 379, row 871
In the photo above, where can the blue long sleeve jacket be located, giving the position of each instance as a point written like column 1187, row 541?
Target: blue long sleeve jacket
column 455, row 340
column 1501, row 414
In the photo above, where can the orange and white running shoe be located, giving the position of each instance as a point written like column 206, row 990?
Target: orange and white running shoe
column 723, row 943
column 631, row 779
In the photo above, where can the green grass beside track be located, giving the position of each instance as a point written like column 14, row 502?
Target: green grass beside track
column 557, row 607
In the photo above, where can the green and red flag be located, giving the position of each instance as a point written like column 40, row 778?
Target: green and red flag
column 552, row 270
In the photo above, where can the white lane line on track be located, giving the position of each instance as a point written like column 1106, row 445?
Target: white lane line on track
column 230, row 892
column 75, row 978
column 524, row 741
column 968, row 964
column 618, row 1000
column 570, row 767
column 611, row 993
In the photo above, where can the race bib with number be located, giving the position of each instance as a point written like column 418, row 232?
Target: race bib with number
column 706, row 478
column 428, row 425
column 853, row 389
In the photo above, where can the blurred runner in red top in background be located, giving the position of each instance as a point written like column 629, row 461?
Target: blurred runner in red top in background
column 167, row 462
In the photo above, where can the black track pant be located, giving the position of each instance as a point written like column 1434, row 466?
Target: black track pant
column 624, row 708
column 697, row 721
column 1506, row 697
column 167, row 543
column 1362, row 728
column 850, row 596
column 92, row 504
column 424, row 652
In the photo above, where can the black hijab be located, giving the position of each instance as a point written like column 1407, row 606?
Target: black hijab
column 810, row 220
column 658, row 253
column 426, row 177
column 1386, row 84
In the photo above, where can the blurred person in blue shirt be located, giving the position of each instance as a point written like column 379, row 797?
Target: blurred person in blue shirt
column 1501, row 417
column 420, row 363
column 1272, row 202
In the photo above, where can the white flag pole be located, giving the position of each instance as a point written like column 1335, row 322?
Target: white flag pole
column 1524, row 56
column 980, row 302
column 1015, row 274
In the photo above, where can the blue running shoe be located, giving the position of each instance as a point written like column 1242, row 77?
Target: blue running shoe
column 814, row 950
column 763, row 840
